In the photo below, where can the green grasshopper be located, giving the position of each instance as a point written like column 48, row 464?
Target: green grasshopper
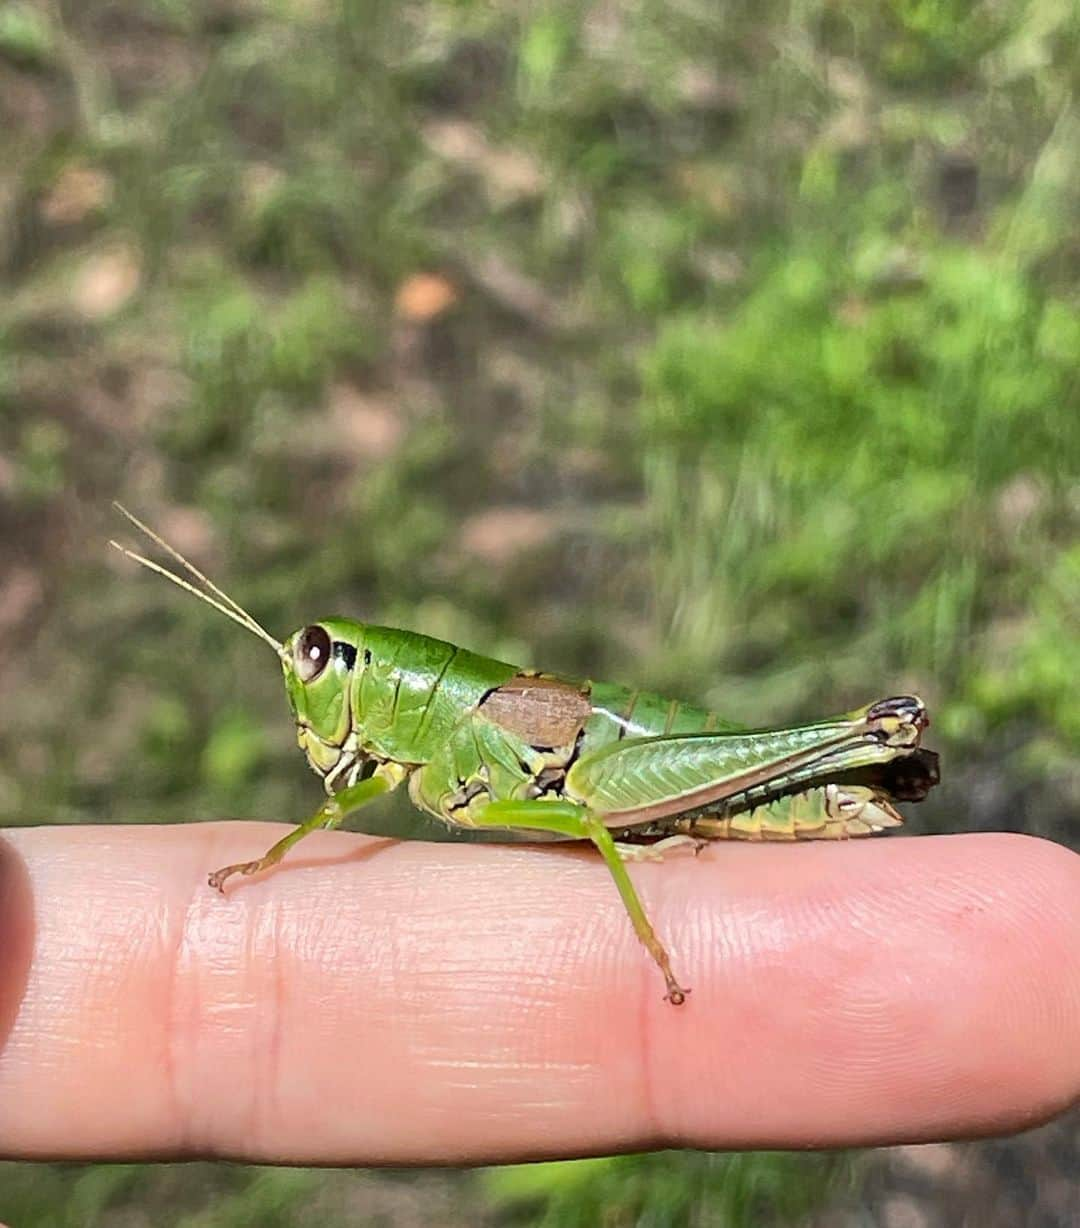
column 528, row 756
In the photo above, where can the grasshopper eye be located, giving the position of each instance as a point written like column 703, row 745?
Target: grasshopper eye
column 312, row 652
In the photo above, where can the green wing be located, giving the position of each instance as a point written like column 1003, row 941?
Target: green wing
column 638, row 780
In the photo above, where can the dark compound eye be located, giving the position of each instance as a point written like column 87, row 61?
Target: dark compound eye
column 312, row 652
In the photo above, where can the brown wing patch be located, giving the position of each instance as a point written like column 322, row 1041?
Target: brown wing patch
column 540, row 709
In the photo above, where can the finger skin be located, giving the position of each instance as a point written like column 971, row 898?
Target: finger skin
column 375, row 1002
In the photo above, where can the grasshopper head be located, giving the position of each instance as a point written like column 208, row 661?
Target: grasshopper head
column 318, row 662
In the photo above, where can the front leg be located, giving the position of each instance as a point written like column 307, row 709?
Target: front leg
column 568, row 819
column 332, row 813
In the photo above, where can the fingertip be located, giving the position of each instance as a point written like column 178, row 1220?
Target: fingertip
column 904, row 990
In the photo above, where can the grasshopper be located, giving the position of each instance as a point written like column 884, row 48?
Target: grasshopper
column 529, row 756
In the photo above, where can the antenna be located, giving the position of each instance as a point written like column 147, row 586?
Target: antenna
column 221, row 601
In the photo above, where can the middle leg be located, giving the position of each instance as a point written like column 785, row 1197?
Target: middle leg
column 568, row 819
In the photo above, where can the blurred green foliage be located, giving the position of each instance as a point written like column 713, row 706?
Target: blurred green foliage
column 222, row 1196
column 664, row 1190
column 663, row 343
column 846, row 458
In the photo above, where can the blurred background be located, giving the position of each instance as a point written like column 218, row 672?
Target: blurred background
column 728, row 349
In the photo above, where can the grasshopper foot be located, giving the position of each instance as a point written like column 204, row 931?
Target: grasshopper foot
column 676, row 995
column 218, row 879
column 658, row 849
